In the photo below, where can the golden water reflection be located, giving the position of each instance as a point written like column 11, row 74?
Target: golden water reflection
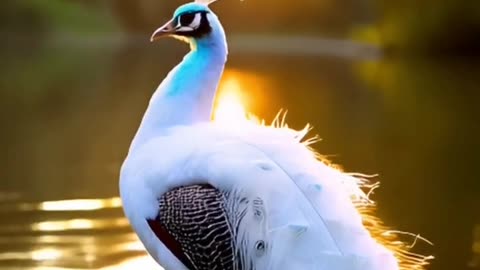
column 69, row 234
column 78, row 224
column 72, row 205
column 143, row 262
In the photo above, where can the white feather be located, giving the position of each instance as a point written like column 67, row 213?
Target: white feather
column 310, row 220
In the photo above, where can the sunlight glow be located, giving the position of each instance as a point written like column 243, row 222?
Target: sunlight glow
column 230, row 109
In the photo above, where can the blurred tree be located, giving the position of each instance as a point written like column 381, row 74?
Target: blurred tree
column 18, row 16
column 329, row 17
column 141, row 15
column 41, row 17
column 409, row 26
column 443, row 27
column 300, row 17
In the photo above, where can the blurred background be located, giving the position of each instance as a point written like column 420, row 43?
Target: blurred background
column 391, row 87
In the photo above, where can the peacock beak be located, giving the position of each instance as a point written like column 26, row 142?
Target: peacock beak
column 165, row 30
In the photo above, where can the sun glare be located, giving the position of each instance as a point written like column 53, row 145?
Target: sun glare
column 230, row 109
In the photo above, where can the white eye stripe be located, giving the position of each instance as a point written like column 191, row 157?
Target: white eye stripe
column 196, row 21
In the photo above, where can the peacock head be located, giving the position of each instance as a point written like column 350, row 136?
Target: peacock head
column 193, row 22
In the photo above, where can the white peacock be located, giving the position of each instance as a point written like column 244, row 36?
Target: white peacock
column 206, row 195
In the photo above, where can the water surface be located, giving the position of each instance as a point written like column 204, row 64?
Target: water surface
column 69, row 110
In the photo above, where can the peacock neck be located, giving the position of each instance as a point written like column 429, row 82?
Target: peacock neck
column 187, row 94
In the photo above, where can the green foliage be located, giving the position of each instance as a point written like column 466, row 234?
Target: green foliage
column 54, row 16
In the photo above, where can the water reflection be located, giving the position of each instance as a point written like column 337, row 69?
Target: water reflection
column 135, row 263
column 80, row 205
column 66, row 205
column 98, row 237
column 78, row 224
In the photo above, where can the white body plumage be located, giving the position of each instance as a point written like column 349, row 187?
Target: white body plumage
column 309, row 221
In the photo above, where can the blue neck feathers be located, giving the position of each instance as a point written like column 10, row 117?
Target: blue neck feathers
column 187, row 94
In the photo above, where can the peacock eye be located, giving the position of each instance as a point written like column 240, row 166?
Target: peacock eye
column 186, row 19
column 260, row 247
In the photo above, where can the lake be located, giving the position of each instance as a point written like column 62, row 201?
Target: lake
column 69, row 109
